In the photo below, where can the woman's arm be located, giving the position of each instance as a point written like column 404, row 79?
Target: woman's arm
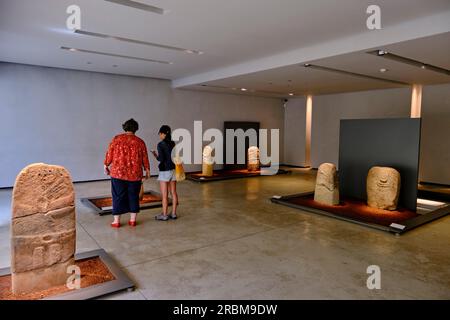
column 145, row 162
column 108, row 158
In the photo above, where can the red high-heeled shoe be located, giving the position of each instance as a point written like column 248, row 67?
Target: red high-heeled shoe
column 115, row 225
column 132, row 223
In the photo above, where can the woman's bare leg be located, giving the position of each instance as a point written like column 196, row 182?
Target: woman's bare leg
column 173, row 192
column 116, row 218
column 133, row 216
column 164, row 193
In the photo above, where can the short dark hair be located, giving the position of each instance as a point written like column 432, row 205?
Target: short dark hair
column 131, row 126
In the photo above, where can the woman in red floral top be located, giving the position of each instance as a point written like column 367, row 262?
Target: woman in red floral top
column 124, row 161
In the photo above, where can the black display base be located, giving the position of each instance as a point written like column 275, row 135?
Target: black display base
column 395, row 228
column 90, row 202
column 120, row 283
column 228, row 174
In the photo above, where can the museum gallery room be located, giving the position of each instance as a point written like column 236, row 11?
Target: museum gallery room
column 209, row 149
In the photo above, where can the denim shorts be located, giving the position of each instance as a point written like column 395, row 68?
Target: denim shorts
column 166, row 176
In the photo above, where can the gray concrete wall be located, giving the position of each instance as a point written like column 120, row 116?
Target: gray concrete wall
column 294, row 132
column 435, row 142
column 68, row 117
column 328, row 110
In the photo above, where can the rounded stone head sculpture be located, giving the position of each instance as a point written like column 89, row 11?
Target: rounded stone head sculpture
column 253, row 159
column 383, row 188
column 208, row 162
column 207, row 155
column 327, row 185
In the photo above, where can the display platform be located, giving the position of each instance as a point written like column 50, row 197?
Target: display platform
column 100, row 276
column 228, row 174
column 356, row 211
column 434, row 192
column 103, row 205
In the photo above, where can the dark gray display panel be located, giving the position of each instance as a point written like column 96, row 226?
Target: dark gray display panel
column 379, row 142
column 235, row 125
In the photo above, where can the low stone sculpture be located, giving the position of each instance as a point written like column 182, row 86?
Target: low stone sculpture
column 253, row 163
column 208, row 162
column 43, row 232
column 383, row 188
column 327, row 185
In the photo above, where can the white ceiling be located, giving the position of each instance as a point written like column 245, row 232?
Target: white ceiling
column 297, row 79
column 237, row 37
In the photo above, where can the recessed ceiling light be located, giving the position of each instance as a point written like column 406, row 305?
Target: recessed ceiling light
column 409, row 61
column 291, row 94
column 307, row 65
column 150, row 44
column 138, row 5
column 383, row 70
column 243, row 89
column 115, row 55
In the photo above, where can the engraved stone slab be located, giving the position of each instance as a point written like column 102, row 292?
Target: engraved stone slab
column 383, row 188
column 327, row 185
column 43, row 228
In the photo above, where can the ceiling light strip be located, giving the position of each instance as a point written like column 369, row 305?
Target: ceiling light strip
column 353, row 74
column 412, row 62
column 115, row 55
column 151, row 44
column 240, row 89
column 138, row 5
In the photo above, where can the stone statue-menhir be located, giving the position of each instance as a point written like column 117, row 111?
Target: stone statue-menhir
column 43, row 230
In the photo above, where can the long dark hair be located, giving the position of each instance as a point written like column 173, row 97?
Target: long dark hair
column 168, row 132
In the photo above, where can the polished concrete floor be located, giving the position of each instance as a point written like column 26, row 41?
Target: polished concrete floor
column 231, row 242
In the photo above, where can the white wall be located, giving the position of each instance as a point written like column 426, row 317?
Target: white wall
column 68, row 117
column 294, row 132
column 328, row 110
column 435, row 142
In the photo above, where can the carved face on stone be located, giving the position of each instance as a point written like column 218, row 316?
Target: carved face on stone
column 383, row 188
column 327, row 177
column 327, row 185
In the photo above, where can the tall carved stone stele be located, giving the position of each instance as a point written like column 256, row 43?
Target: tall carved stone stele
column 327, row 185
column 208, row 162
column 383, row 188
column 253, row 163
column 42, row 228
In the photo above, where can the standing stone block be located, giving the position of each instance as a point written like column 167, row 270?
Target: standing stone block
column 253, row 163
column 383, row 188
column 42, row 228
column 327, row 185
column 208, row 162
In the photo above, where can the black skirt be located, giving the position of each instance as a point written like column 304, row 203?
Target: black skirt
column 125, row 196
